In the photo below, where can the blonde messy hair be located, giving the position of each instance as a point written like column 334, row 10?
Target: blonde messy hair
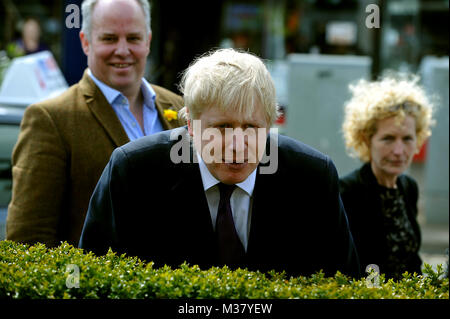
column 228, row 78
column 394, row 94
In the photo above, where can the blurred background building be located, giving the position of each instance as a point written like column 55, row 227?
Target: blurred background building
column 313, row 48
column 409, row 30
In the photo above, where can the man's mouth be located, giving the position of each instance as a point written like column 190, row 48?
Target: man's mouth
column 236, row 165
column 121, row 65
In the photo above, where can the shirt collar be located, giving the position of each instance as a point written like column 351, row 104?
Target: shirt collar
column 209, row 180
column 112, row 95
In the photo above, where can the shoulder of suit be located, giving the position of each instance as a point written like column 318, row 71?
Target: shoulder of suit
column 350, row 181
column 409, row 183
column 159, row 142
column 408, row 179
column 357, row 179
column 164, row 94
column 295, row 148
column 64, row 102
column 351, row 177
column 161, row 90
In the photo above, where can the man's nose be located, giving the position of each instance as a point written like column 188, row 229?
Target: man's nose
column 122, row 47
column 235, row 138
column 235, row 143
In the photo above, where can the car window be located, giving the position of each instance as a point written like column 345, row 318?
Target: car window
column 9, row 132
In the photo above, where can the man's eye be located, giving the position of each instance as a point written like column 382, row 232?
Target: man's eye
column 134, row 39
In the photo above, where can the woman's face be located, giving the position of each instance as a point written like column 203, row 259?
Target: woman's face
column 392, row 147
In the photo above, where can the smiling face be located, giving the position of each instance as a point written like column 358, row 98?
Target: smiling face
column 119, row 44
column 392, row 148
column 230, row 158
column 31, row 31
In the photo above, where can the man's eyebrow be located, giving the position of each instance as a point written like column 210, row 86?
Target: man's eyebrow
column 107, row 34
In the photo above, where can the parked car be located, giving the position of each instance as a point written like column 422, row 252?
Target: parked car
column 10, row 118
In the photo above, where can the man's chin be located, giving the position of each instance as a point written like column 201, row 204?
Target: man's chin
column 235, row 167
column 234, row 173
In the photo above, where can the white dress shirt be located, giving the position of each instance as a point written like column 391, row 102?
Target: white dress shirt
column 241, row 200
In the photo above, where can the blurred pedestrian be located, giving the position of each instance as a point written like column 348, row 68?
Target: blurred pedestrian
column 386, row 122
column 65, row 142
column 31, row 41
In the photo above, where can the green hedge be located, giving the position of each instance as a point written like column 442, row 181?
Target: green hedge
column 39, row 272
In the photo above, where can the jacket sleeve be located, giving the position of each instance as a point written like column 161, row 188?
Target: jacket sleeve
column 107, row 202
column 39, row 170
column 413, row 191
column 343, row 249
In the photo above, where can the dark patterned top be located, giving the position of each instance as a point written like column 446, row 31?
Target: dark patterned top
column 401, row 240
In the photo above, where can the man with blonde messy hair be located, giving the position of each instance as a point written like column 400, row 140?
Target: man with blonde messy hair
column 217, row 206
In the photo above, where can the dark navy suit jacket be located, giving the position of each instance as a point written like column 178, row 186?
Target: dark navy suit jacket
column 145, row 205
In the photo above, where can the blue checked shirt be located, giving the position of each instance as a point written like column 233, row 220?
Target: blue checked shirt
column 120, row 104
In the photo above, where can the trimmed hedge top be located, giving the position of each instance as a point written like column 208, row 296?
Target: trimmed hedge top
column 39, row 272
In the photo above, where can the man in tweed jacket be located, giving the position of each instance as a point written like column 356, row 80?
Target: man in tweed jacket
column 65, row 142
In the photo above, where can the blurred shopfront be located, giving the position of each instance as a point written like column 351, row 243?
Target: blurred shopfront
column 409, row 30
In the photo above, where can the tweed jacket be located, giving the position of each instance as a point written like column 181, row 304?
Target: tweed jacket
column 62, row 149
column 362, row 203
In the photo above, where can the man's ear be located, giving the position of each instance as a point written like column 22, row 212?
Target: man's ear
column 84, row 42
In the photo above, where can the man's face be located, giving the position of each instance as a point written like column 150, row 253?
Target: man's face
column 230, row 145
column 119, row 44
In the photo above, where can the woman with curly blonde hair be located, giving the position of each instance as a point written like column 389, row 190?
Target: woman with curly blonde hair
column 386, row 122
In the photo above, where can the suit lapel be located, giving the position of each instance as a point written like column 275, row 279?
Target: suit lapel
column 261, row 209
column 106, row 116
column 189, row 188
column 162, row 103
column 103, row 111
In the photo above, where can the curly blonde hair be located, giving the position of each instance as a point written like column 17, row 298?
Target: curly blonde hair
column 394, row 94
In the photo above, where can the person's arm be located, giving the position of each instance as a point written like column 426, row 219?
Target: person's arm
column 343, row 250
column 107, row 201
column 414, row 191
column 39, row 170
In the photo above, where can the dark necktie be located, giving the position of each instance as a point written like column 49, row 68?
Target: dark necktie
column 230, row 249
